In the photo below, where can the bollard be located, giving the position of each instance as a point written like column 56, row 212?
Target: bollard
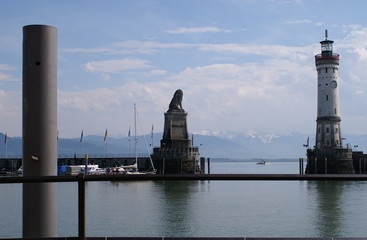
column 315, row 160
column 164, row 165
column 208, row 165
column 86, row 165
column 39, row 130
column 325, row 165
column 202, row 165
column 360, row 165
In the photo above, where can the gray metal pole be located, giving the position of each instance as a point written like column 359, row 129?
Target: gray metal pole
column 39, row 129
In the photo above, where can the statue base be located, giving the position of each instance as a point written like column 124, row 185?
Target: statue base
column 176, row 154
column 176, row 160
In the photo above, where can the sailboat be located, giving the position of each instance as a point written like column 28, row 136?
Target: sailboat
column 134, row 167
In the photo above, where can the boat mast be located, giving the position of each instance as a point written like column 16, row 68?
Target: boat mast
column 136, row 140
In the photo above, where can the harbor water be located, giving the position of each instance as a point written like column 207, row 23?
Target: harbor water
column 206, row 208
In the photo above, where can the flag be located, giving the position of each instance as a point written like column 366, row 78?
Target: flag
column 105, row 136
column 81, row 137
column 128, row 134
column 6, row 137
column 152, row 132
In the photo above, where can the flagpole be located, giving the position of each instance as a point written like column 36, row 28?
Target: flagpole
column 106, row 148
column 6, row 145
column 105, row 139
column 57, row 140
column 136, row 141
column 6, row 151
column 81, row 143
column 152, row 138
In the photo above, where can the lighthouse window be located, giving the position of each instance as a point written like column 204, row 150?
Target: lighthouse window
column 327, row 130
column 335, row 110
column 327, row 97
column 325, row 70
column 336, row 130
column 333, row 70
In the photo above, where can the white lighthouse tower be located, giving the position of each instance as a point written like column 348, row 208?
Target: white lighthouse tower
column 328, row 134
column 328, row 155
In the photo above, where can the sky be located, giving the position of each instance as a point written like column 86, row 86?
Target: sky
column 242, row 64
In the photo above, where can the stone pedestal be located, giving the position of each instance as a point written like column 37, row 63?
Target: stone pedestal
column 176, row 154
column 175, row 133
column 332, row 161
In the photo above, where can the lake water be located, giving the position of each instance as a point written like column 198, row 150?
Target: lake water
column 206, row 208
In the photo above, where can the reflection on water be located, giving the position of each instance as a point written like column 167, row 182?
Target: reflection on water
column 338, row 208
column 176, row 199
column 329, row 212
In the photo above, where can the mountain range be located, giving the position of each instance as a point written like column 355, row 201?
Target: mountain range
column 230, row 145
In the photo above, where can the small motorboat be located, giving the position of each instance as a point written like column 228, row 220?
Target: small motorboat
column 262, row 162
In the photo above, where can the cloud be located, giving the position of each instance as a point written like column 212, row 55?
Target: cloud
column 157, row 72
column 11, row 112
column 116, row 66
column 278, row 93
column 273, row 51
column 213, row 94
column 299, row 21
column 5, row 67
column 5, row 76
column 184, row 30
column 129, row 47
column 139, row 47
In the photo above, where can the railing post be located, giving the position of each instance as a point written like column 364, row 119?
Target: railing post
column 81, row 206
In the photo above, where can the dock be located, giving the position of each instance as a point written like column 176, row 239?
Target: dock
column 13, row 163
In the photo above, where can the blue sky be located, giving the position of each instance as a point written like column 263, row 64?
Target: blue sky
column 242, row 65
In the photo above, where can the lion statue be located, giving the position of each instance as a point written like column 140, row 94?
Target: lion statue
column 176, row 102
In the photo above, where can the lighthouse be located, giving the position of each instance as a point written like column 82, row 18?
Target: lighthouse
column 328, row 155
column 328, row 134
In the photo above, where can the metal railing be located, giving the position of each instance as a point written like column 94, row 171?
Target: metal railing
column 332, row 56
column 82, row 179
